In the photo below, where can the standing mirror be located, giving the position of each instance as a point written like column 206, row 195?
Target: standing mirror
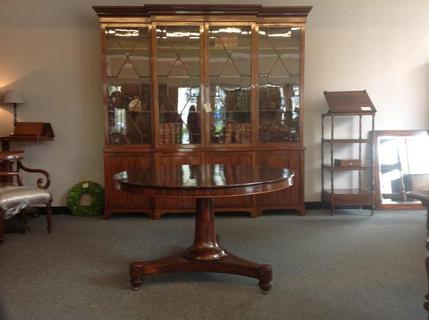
column 402, row 164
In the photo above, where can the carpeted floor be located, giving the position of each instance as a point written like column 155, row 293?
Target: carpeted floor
column 346, row 267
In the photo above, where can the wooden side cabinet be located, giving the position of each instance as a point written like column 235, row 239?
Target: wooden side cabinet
column 203, row 84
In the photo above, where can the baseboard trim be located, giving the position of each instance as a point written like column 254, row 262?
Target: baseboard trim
column 319, row 205
column 55, row 210
column 312, row 205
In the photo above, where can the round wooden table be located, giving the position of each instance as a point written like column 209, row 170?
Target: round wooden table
column 423, row 196
column 203, row 182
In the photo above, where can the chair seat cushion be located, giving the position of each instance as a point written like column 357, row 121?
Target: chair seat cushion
column 14, row 199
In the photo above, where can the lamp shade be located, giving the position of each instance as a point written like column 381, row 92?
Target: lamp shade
column 14, row 96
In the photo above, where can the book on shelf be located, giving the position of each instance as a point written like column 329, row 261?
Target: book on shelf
column 237, row 133
column 170, row 133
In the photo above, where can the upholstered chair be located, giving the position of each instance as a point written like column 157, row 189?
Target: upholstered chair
column 15, row 197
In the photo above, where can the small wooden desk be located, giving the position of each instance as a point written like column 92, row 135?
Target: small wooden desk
column 203, row 182
column 28, row 132
column 423, row 196
column 5, row 141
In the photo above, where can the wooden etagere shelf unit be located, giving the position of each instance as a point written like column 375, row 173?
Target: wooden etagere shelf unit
column 348, row 104
column 195, row 84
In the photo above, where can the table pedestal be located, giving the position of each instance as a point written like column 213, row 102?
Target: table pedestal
column 205, row 255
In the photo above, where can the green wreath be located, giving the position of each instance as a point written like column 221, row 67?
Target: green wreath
column 90, row 188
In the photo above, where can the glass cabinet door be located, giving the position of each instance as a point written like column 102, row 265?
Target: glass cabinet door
column 279, row 83
column 229, row 75
column 128, row 85
column 178, row 68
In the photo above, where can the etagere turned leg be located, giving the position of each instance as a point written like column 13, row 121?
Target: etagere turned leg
column 205, row 255
column 49, row 216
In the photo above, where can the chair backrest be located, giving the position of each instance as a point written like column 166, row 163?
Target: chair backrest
column 9, row 172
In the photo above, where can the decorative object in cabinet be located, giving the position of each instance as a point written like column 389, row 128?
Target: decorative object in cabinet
column 349, row 104
column 198, row 83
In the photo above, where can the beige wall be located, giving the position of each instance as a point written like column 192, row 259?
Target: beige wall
column 50, row 50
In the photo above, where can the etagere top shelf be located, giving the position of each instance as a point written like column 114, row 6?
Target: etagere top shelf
column 349, row 103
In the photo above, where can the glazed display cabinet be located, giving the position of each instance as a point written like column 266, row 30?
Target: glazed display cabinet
column 196, row 84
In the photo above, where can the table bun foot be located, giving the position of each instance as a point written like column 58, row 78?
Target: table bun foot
column 136, row 275
column 265, row 277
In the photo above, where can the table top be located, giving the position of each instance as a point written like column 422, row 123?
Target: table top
column 422, row 195
column 11, row 155
column 208, row 180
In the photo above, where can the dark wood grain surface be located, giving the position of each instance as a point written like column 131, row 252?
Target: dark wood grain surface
column 206, row 180
column 203, row 182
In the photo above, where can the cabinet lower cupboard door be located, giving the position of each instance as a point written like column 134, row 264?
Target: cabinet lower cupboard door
column 117, row 200
column 288, row 198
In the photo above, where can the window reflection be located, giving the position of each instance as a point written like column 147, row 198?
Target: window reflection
column 403, row 165
column 218, row 175
column 189, row 175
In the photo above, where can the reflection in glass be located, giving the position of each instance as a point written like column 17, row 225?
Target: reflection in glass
column 279, row 79
column 218, row 175
column 189, row 175
column 178, row 62
column 229, row 77
column 403, row 165
column 127, row 68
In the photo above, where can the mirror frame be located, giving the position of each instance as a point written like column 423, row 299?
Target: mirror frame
column 397, row 133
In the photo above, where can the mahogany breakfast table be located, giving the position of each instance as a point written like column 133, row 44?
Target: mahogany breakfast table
column 203, row 182
column 423, row 196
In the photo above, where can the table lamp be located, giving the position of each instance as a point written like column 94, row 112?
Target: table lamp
column 15, row 97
